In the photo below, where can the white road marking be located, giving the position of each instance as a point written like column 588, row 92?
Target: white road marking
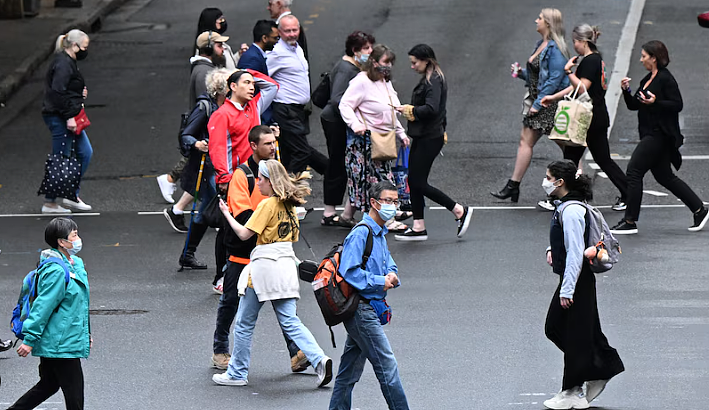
column 50, row 215
column 655, row 193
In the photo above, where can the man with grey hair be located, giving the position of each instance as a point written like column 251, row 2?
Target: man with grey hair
column 289, row 68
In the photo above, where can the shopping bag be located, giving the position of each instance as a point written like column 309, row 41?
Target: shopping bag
column 62, row 176
column 401, row 177
column 572, row 119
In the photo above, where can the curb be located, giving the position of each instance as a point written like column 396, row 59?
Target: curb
column 90, row 23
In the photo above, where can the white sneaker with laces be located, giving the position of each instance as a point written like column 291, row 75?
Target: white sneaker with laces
column 167, row 188
column 219, row 287
column 324, row 371
column 568, row 399
column 546, row 205
column 78, row 205
column 54, row 210
column 224, row 380
column 594, row 388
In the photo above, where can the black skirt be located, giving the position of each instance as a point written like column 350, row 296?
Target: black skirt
column 576, row 331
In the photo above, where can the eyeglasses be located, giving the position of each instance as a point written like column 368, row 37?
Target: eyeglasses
column 388, row 201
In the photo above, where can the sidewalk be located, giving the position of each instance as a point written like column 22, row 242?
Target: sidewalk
column 28, row 42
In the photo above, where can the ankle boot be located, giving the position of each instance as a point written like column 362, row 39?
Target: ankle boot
column 510, row 190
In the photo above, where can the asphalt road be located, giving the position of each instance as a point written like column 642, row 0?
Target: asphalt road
column 468, row 319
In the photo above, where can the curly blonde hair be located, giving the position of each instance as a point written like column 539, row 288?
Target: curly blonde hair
column 216, row 82
column 288, row 188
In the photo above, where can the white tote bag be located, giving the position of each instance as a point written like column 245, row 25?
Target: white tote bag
column 572, row 119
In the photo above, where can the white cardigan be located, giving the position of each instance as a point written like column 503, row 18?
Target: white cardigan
column 274, row 273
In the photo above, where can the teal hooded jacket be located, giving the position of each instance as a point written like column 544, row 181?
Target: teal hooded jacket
column 58, row 323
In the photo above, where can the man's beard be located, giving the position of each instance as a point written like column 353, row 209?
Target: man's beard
column 219, row 60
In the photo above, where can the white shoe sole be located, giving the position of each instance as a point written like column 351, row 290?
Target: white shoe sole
column 79, row 206
column 619, row 208
column 58, row 210
column 466, row 222
column 169, row 220
column 403, row 238
column 701, row 225
column 544, row 207
column 165, row 187
column 228, row 382
column 625, row 232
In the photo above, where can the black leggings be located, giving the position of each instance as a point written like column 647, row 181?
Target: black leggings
column 421, row 157
column 654, row 154
column 335, row 182
column 597, row 140
column 53, row 375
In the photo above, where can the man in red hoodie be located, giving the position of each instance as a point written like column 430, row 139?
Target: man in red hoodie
column 229, row 126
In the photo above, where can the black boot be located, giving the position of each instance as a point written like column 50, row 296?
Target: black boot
column 187, row 259
column 510, row 190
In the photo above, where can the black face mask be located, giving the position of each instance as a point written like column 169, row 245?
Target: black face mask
column 384, row 70
column 81, row 54
column 223, row 29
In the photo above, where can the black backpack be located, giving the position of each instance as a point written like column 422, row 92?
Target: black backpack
column 212, row 215
column 202, row 104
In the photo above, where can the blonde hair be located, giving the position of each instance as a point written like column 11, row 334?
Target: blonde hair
column 217, row 82
column 65, row 41
column 557, row 33
column 288, row 188
column 585, row 32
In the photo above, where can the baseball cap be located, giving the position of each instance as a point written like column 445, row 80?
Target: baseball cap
column 204, row 38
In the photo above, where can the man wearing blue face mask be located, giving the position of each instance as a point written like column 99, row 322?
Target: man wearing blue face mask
column 365, row 337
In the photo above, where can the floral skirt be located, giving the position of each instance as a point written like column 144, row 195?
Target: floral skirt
column 542, row 120
column 362, row 171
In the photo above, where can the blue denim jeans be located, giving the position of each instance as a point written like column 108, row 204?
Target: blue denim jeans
column 366, row 341
column 206, row 193
column 246, row 316
column 63, row 141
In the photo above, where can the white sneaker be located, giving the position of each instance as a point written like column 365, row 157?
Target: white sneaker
column 78, row 205
column 225, row 380
column 167, row 188
column 568, row 399
column 324, row 371
column 546, row 205
column 54, row 210
column 219, row 287
column 594, row 388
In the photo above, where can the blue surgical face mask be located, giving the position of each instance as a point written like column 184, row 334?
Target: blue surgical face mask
column 362, row 58
column 76, row 247
column 387, row 211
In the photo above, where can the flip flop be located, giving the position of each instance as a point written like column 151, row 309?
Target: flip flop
column 397, row 227
column 404, row 215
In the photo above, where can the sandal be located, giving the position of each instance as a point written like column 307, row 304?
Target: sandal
column 346, row 223
column 332, row 220
column 403, row 215
column 397, row 227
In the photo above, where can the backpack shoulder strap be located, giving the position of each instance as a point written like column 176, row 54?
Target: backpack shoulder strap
column 204, row 104
column 563, row 206
column 67, row 273
column 249, row 176
column 368, row 245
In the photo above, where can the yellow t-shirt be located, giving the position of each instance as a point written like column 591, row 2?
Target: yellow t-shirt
column 273, row 223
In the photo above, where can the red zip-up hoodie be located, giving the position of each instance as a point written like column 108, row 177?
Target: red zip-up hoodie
column 229, row 128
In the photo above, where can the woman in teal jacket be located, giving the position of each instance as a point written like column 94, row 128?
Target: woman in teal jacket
column 57, row 329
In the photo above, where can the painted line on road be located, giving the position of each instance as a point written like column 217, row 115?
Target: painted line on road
column 50, row 215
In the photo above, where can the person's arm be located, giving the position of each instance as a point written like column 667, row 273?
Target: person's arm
column 339, row 85
column 60, row 80
column 218, row 142
column 268, row 88
column 351, row 99
column 431, row 107
column 392, row 268
column 556, row 77
column 194, row 128
column 673, row 98
column 274, row 62
column 241, row 231
column 574, row 224
column 351, row 261
column 556, row 97
column 51, row 290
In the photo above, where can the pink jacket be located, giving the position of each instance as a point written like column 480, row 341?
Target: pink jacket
column 369, row 98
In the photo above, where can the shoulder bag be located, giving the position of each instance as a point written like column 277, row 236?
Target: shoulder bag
column 383, row 145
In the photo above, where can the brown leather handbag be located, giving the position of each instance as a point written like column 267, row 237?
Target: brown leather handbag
column 383, row 145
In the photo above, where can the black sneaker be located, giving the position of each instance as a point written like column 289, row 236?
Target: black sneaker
column 619, row 205
column 176, row 221
column 625, row 228
column 5, row 345
column 700, row 219
column 412, row 236
column 189, row 261
column 464, row 221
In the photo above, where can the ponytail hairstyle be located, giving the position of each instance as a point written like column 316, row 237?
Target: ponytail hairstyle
column 587, row 33
column 287, row 188
column 579, row 185
column 65, row 41
column 557, row 33
column 425, row 53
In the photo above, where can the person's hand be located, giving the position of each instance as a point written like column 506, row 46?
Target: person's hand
column 549, row 258
column 625, row 83
column 276, row 130
column 533, row 111
column 85, row 93
column 570, row 63
column 546, row 100
column 405, row 141
column 650, row 99
column 399, row 108
column 202, row 146
column 390, row 280
column 243, row 48
column 91, row 342
column 71, row 124
column 566, row 303
column 223, row 187
column 24, row 350
column 223, row 207
column 359, row 129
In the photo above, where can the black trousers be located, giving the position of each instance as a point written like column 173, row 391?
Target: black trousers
column 421, row 157
column 654, row 154
column 296, row 152
column 335, row 182
column 597, row 140
column 576, row 331
column 55, row 374
column 220, row 253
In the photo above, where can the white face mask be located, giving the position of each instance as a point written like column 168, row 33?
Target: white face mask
column 548, row 186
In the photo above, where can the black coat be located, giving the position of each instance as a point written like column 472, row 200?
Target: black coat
column 429, row 101
column 196, row 130
column 63, row 88
column 662, row 117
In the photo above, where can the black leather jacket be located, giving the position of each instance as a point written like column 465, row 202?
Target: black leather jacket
column 429, row 101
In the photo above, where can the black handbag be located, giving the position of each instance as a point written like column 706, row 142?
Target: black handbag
column 321, row 95
column 211, row 214
column 62, row 176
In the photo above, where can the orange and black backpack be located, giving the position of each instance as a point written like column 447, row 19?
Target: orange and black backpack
column 338, row 300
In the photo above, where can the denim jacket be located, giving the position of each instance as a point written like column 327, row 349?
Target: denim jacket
column 552, row 77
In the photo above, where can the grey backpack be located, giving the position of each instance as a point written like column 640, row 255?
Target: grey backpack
column 599, row 236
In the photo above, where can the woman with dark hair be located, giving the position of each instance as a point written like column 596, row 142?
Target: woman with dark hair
column 368, row 104
column 357, row 48
column 212, row 19
column 658, row 103
column 427, row 123
column 572, row 322
column 591, row 76
column 57, row 329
